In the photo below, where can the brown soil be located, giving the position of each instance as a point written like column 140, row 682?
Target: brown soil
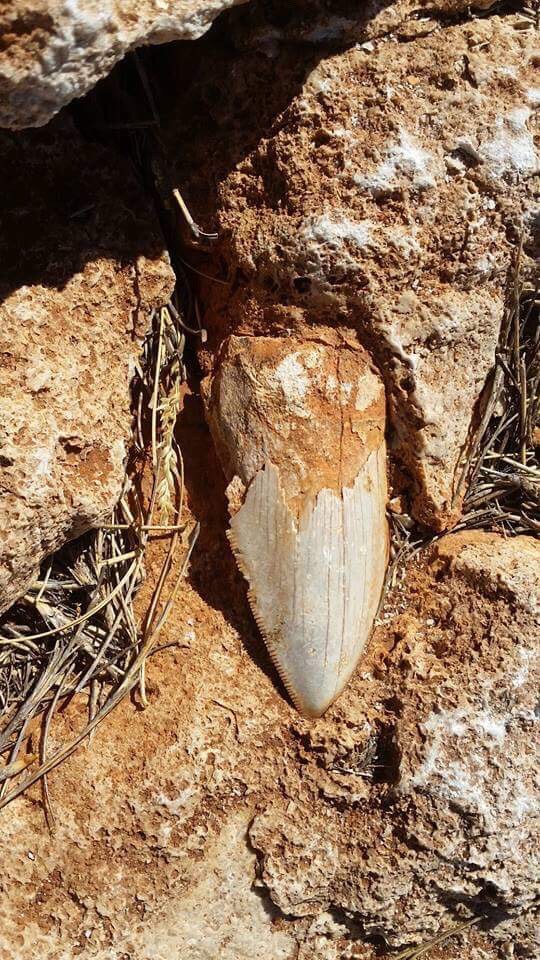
column 145, row 812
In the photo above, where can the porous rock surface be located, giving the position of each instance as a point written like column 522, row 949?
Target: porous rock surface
column 383, row 187
column 55, row 50
column 345, row 21
column 219, row 823
column 82, row 269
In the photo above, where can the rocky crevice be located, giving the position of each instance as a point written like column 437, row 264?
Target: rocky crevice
column 409, row 807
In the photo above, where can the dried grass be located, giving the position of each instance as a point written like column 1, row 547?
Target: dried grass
column 502, row 472
column 75, row 629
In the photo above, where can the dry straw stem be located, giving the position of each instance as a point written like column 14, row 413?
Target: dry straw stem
column 412, row 952
column 49, row 648
column 502, row 472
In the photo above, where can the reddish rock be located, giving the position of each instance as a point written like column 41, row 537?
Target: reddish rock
column 452, row 832
column 382, row 187
column 354, row 837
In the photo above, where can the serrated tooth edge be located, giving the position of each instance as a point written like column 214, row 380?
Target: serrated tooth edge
column 269, row 643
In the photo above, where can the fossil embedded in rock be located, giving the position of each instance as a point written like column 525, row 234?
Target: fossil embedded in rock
column 314, row 584
column 300, row 425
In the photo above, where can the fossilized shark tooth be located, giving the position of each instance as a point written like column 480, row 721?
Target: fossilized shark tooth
column 299, row 428
column 314, row 584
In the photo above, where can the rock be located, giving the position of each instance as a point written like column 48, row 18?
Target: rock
column 511, row 569
column 344, row 22
column 299, row 426
column 453, row 833
column 55, row 51
column 83, row 267
column 381, row 188
column 158, row 820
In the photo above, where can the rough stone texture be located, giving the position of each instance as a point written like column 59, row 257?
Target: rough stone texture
column 345, row 21
column 82, row 267
column 314, row 408
column 458, row 822
column 150, row 857
column 55, row 50
column 383, row 188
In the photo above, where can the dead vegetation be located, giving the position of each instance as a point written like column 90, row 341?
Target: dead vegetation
column 75, row 631
column 502, row 472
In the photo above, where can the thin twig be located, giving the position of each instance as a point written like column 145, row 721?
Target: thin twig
column 412, row 952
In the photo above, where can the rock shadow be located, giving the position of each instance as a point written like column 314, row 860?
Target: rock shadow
column 66, row 202
column 68, row 199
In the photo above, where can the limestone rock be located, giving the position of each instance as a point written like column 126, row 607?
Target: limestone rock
column 82, row 268
column 300, row 424
column 345, row 21
column 511, row 569
column 55, row 51
column 385, row 186
column 453, row 832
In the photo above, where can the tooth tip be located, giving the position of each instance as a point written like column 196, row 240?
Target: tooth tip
column 305, row 701
column 312, row 711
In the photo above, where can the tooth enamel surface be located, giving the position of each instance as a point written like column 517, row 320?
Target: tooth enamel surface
column 315, row 586
column 301, row 425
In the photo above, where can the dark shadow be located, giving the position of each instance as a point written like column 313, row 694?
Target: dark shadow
column 211, row 102
column 218, row 103
column 213, row 572
column 223, row 96
column 64, row 203
column 67, row 200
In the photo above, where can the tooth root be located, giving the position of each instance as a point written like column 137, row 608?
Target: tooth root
column 303, row 430
column 314, row 590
